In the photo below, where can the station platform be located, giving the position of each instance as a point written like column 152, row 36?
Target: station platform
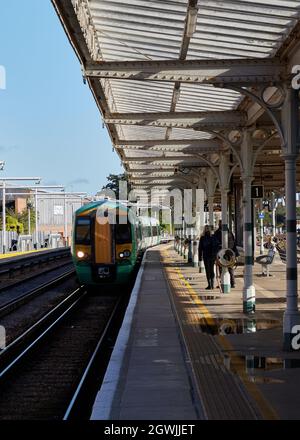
column 185, row 353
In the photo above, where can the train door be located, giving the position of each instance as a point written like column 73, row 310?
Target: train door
column 104, row 246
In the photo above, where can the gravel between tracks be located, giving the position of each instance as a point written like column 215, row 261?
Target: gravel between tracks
column 41, row 388
column 19, row 320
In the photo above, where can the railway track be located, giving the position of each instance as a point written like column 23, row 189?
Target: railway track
column 17, row 270
column 48, row 372
column 23, row 298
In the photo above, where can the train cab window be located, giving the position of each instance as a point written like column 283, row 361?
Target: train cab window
column 123, row 233
column 83, row 231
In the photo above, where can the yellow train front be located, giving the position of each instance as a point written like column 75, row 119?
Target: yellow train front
column 108, row 240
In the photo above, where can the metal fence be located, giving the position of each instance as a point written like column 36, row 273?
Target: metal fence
column 23, row 243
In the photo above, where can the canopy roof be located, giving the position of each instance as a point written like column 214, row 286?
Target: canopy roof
column 166, row 77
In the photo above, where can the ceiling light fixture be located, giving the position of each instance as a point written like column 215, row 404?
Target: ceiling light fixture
column 191, row 22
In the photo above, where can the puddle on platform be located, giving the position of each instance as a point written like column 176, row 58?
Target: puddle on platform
column 253, row 366
column 261, row 379
column 237, row 326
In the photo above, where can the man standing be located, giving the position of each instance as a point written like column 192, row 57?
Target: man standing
column 231, row 245
column 208, row 247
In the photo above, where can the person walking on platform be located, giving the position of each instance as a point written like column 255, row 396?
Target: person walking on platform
column 231, row 245
column 208, row 247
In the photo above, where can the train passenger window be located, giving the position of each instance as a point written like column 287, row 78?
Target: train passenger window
column 83, row 231
column 138, row 232
column 123, row 233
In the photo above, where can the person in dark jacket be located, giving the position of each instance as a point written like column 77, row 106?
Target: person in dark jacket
column 231, row 245
column 208, row 247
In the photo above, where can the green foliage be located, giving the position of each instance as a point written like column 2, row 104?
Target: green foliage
column 23, row 218
column 165, row 228
column 113, row 183
column 280, row 217
column 12, row 222
column 18, row 222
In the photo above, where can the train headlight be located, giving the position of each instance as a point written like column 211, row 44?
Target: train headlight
column 125, row 254
column 80, row 254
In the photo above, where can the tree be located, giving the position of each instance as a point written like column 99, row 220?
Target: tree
column 23, row 218
column 113, row 184
column 13, row 222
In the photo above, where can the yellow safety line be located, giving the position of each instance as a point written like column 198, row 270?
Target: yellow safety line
column 16, row 254
column 267, row 411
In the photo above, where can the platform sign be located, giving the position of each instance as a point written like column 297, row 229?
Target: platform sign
column 257, row 191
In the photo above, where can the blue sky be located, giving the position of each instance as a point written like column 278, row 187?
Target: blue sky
column 49, row 123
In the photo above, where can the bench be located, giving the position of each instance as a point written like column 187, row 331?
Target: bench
column 266, row 261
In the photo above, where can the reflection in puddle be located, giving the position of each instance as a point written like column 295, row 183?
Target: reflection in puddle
column 255, row 366
column 261, row 379
column 237, row 326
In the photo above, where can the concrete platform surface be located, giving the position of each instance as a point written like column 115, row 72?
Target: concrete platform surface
column 185, row 353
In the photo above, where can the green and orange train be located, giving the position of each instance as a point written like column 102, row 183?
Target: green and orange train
column 108, row 241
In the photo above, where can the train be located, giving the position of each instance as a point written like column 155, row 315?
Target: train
column 108, row 241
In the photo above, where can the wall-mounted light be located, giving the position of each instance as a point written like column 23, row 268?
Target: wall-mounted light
column 176, row 95
column 191, row 21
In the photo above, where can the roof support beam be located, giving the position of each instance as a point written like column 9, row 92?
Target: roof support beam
column 152, row 174
column 207, row 143
column 182, row 158
column 178, row 184
column 222, row 72
column 196, row 120
column 188, row 162
column 166, row 169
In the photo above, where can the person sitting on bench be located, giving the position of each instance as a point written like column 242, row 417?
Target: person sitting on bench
column 266, row 260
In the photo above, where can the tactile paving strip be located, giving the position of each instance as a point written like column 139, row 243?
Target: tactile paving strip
column 222, row 393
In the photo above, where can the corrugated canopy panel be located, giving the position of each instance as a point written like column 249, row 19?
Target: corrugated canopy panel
column 138, row 29
column 141, row 30
column 145, row 97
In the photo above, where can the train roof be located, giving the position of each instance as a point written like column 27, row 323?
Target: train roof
column 115, row 204
column 148, row 221
column 110, row 204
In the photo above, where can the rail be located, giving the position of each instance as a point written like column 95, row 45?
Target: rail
column 20, row 262
column 24, row 298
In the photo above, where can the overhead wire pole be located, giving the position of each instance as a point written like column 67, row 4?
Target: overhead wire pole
column 4, row 180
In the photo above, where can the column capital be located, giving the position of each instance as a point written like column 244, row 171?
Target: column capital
column 289, row 156
column 224, row 190
column 247, row 178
